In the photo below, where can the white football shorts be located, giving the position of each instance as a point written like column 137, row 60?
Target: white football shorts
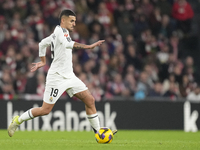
column 57, row 84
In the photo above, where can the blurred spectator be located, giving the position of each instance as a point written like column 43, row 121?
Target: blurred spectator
column 8, row 8
column 129, row 40
column 77, row 69
column 144, row 44
column 104, row 16
column 183, row 13
column 20, row 8
column 174, row 44
column 103, row 75
column 113, row 49
column 156, row 91
column 184, row 86
column 125, row 26
column 111, row 5
column 166, row 83
column 129, row 5
column 104, row 54
column 130, row 83
column 8, row 41
column 194, row 95
column 81, row 27
column 96, row 27
column 81, row 7
column 83, row 77
column 164, row 7
column 116, row 36
column 140, row 25
column 150, row 47
column 143, row 87
column 178, row 72
column 10, row 60
column 113, row 66
column 21, row 80
column 97, row 92
column 119, row 13
column 116, row 87
column 130, row 69
column 132, row 59
column 163, row 55
column 152, row 72
column 165, row 28
column 189, row 68
column 147, row 7
column 122, row 62
column 93, row 5
column 190, row 73
column 155, row 19
column 3, row 28
column 189, row 62
column 172, row 93
column 52, row 20
column 6, row 83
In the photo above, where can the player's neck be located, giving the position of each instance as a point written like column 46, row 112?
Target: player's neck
column 62, row 26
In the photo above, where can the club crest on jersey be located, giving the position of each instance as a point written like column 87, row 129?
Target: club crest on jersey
column 51, row 99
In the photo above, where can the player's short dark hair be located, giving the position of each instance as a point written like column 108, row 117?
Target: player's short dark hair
column 67, row 13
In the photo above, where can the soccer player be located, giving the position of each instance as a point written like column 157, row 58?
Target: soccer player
column 60, row 76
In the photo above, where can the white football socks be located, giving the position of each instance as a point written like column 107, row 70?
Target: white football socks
column 26, row 116
column 93, row 119
column 94, row 122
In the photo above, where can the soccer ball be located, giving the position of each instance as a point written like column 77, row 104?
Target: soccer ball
column 104, row 135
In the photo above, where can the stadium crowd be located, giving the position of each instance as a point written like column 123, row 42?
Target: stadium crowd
column 141, row 56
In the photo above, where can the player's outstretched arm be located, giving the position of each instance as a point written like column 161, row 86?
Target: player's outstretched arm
column 83, row 46
column 39, row 64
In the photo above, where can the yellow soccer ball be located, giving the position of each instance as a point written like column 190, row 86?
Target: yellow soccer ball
column 104, row 135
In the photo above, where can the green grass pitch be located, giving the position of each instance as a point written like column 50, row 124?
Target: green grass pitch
column 123, row 140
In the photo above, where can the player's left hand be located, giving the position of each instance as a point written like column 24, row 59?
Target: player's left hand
column 96, row 44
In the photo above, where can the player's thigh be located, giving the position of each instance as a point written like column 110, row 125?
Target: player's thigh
column 53, row 93
column 76, row 86
column 54, row 88
column 86, row 97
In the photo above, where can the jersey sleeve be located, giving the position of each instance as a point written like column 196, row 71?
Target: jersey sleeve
column 64, row 37
column 43, row 45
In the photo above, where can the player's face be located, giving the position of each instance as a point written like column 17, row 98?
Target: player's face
column 70, row 23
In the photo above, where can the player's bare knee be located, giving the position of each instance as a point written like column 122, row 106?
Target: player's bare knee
column 45, row 111
column 91, row 102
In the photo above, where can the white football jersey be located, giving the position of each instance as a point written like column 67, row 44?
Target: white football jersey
column 61, row 52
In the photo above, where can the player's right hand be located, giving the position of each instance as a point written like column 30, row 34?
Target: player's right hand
column 38, row 64
column 35, row 67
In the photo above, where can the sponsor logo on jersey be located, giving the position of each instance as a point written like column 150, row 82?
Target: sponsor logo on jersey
column 66, row 35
